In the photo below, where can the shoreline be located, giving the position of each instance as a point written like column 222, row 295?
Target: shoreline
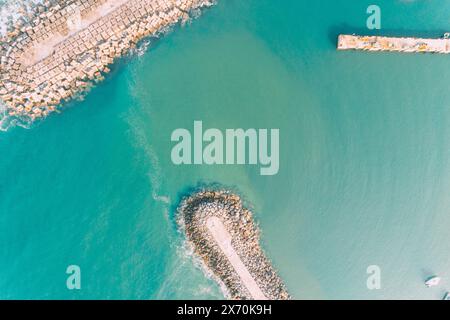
column 63, row 49
column 223, row 234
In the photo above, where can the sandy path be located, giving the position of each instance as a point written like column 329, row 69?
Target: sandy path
column 223, row 239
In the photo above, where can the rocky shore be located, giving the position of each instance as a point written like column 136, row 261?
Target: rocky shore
column 193, row 214
column 61, row 47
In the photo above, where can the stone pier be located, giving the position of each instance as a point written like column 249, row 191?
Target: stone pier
column 405, row 45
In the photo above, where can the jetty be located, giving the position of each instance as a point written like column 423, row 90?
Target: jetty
column 406, row 45
column 63, row 47
column 223, row 234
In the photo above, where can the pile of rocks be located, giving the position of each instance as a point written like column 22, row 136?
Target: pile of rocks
column 61, row 47
column 192, row 215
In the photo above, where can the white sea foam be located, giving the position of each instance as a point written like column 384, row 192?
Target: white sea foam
column 2, row 116
column 141, row 48
column 185, row 256
column 12, row 10
column 186, row 252
column 7, row 121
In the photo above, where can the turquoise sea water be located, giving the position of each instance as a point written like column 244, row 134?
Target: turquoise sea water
column 364, row 161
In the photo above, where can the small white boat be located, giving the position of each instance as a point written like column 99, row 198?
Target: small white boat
column 432, row 281
column 447, row 296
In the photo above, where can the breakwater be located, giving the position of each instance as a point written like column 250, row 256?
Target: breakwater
column 406, row 45
column 62, row 47
column 224, row 235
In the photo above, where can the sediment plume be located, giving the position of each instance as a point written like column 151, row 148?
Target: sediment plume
column 223, row 234
column 61, row 47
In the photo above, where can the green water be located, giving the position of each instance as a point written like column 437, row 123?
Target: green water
column 364, row 146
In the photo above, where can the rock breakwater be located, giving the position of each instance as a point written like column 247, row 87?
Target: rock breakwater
column 224, row 235
column 60, row 48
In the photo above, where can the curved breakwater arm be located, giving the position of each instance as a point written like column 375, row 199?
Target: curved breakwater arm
column 224, row 236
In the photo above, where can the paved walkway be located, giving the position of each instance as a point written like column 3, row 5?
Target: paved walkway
column 223, row 239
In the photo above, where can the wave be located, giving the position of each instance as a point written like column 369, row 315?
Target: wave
column 7, row 121
column 155, row 175
column 175, row 276
column 186, row 253
column 10, row 12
